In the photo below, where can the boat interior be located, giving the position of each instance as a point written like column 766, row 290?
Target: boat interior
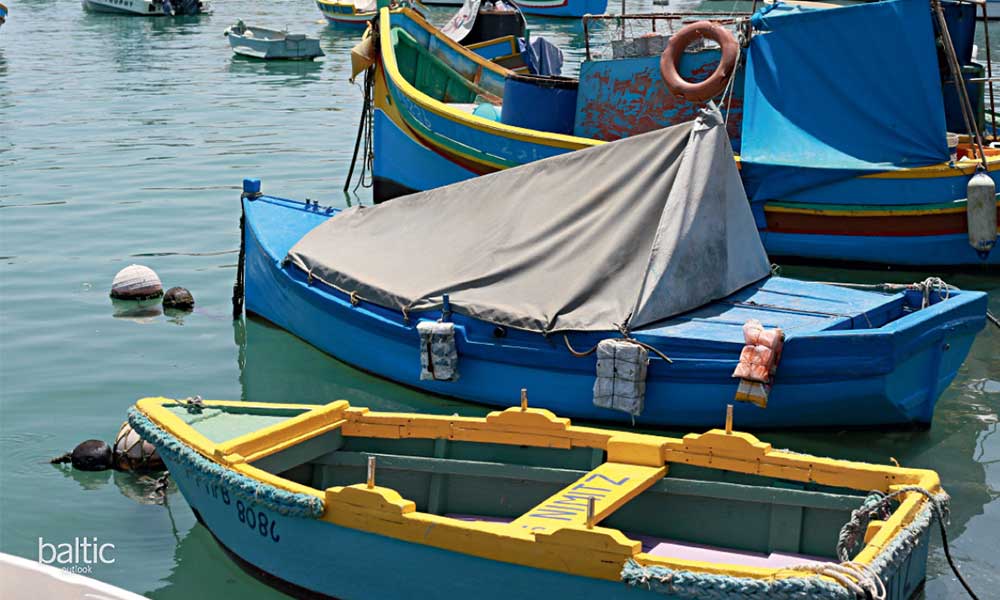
column 484, row 470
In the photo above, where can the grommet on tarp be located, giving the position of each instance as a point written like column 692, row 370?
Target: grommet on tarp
column 251, row 189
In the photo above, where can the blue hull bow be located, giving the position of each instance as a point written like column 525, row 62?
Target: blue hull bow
column 851, row 358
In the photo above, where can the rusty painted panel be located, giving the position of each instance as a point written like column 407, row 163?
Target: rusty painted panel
column 624, row 97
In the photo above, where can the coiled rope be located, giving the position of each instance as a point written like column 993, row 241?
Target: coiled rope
column 877, row 504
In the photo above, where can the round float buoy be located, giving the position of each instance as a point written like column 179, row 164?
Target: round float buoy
column 132, row 453
column 178, row 298
column 91, row 455
column 716, row 82
column 136, row 282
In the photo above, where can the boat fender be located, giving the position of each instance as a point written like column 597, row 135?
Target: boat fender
column 716, row 82
column 136, row 282
column 132, row 453
column 758, row 362
column 981, row 212
column 438, row 353
column 621, row 375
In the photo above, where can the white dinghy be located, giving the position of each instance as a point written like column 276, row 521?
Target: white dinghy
column 269, row 44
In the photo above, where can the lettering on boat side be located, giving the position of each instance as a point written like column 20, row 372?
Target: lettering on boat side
column 610, row 485
column 256, row 520
column 573, row 502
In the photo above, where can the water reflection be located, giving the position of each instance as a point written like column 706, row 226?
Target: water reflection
column 289, row 73
column 276, row 366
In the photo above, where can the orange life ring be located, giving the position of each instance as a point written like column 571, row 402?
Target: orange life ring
column 716, row 82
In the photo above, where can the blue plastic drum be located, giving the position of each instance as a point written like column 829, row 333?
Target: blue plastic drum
column 542, row 102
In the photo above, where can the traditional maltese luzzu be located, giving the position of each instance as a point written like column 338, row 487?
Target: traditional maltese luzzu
column 523, row 504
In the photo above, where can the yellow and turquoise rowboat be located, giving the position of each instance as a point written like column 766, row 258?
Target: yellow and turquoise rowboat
column 426, row 138
column 523, row 504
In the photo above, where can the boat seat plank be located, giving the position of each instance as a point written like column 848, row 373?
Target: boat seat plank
column 668, row 485
column 610, row 484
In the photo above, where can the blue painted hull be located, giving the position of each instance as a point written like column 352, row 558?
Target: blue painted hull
column 563, row 8
column 844, row 375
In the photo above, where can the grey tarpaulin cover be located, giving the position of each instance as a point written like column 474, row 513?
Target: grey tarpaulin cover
column 628, row 232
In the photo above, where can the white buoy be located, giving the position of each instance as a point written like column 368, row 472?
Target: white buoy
column 136, row 282
column 981, row 212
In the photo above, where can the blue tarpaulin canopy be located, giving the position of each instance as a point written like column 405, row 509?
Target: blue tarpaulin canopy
column 832, row 93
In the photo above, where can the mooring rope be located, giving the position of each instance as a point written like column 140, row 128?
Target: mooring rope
column 877, row 505
column 366, row 108
column 239, row 292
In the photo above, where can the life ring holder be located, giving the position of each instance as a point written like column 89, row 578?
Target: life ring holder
column 716, row 82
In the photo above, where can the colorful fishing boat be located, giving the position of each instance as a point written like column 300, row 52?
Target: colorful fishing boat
column 3, row 14
column 529, row 267
column 524, row 504
column 860, row 182
column 356, row 13
column 562, row 8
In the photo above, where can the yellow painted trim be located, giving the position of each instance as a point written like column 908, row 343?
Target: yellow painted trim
column 864, row 213
column 961, row 168
column 574, row 549
column 441, row 109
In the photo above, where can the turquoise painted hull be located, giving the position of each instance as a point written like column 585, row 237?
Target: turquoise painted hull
column 842, row 375
column 345, row 563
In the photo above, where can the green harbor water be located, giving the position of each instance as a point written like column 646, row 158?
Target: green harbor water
column 124, row 140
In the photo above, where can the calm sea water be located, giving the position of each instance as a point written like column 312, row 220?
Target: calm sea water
column 125, row 140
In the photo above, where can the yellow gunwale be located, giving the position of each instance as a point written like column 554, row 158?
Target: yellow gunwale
column 599, row 552
column 354, row 9
column 441, row 109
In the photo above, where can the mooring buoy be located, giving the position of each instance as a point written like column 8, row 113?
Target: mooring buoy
column 136, row 282
column 91, row 455
column 132, row 453
column 178, row 298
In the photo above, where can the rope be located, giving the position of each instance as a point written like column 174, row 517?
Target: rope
column 62, row 459
column 193, row 404
column 160, row 489
column 365, row 108
column 239, row 293
column 992, row 318
column 577, row 353
column 877, row 504
column 625, row 337
column 856, row 577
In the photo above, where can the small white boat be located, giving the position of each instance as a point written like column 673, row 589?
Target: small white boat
column 151, row 8
column 23, row 579
column 259, row 42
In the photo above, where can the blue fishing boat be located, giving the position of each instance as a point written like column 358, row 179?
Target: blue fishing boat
column 336, row 501
column 646, row 242
column 879, row 181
